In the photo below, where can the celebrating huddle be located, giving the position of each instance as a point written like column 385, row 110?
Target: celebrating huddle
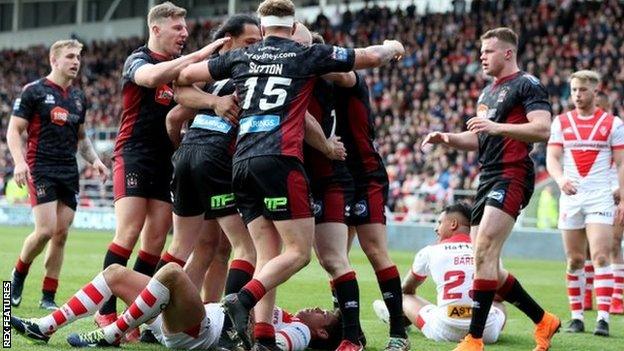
column 262, row 141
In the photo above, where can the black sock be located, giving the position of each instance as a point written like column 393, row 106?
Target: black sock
column 19, row 277
column 348, row 296
column 515, row 294
column 48, row 295
column 146, row 263
column 239, row 274
column 483, row 296
column 119, row 255
column 247, row 299
column 390, row 285
column 334, row 298
column 159, row 265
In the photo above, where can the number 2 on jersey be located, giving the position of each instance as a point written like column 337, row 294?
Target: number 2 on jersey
column 453, row 279
column 270, row 89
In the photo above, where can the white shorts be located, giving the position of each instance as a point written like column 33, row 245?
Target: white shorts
column 438, row 327
column 576, row 211
column 209, row 331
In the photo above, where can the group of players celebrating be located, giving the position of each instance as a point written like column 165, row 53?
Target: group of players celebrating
column 277, row 158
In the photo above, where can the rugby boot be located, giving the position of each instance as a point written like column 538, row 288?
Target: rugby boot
column 48, row 304
column 602, row 328
column 240, row 318
column 17, row 286
column 545, row 330
column 397, row 344
column 347, row 345
column 29, row 329
column 93, row 338
column 575, row 326
column 470, row 344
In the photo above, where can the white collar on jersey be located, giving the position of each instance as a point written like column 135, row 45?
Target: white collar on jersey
column 276, row 21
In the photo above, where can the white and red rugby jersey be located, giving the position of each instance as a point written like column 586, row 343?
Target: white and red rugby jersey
column 588, row 143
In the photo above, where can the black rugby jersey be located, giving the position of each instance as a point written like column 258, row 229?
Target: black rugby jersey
column 54, row 116
column 211, row 130
column 355, row 124
column 143, row 128
column 318, row 166
column 508, row 100
column 274, row 80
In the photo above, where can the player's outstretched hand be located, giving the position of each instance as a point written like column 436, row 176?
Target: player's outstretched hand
column 434, row 138
column 21, row 174
column 207, row 50
column 483, row 125
column 566, row 186
column 397, row 47
column 100, row 170
column 227, row 107
column 336, row 149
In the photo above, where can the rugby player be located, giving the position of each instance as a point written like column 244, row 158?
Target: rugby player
column 582, row 145
column 274, row 81
column 52, row 112
column 142, row 156
column 450, row 263
column 171, row 306
column 513, row 112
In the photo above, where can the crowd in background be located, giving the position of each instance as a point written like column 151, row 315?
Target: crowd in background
column 434, row 87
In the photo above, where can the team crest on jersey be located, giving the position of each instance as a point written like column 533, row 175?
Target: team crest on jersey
column 164, row 95
column 603, row 130
column 568, row 130
column 497, row 195
column 49, row 99
column 132, row 180
column 59, row 116
column 502, row 94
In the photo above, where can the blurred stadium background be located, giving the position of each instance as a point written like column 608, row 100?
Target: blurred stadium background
column 435, row 87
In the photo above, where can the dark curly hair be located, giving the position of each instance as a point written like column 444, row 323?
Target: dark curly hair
column 334, row 338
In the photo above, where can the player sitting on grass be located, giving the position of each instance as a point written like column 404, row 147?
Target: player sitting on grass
column 450, row 263
column 170, row 304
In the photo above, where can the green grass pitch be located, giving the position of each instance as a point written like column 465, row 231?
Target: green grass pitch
column 543, row 279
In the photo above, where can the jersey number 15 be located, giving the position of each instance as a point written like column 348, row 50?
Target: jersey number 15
column 271, row 89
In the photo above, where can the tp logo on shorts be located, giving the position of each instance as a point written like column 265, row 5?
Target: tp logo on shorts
column 218, row 202
column 497, row 195
column 275, row 203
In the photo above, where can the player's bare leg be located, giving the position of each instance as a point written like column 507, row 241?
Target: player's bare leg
column 130, row 213
column 185, row 236
column 491, row 234
column 54, row 255
column 45, row 227
column 243, row 263
column 215, row 277
column 373, row 240
column 331, row 247
column 153, row 236
column 575, row 245
column 600, row 238
column 203, row 254
column 617, row 262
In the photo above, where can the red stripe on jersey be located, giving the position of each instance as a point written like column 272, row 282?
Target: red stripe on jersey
column 59, row 317
column 292, row 129
column 93, row 294
column 289, row 345
column 76, row 306
column 603, row 276
column 318, row 165
column 515, row 151
column 376, row 204
column 132, row 97
column 34, row 129
column 514, row 197
column 359, row 125
column 119, row 177
column 457, row 238
column 32, row 192
column 148, row 297
column 617, row 147
column 135, row 311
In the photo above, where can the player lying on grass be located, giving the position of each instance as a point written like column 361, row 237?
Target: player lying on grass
column 171, row 306
column 450, row 263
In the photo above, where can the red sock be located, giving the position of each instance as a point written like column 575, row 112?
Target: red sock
column 22, row 267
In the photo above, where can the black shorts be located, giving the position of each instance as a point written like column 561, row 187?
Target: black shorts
column 48, row 186
column 141, row 176
column 332, row 201
column 370, row 199
column 275, row 187
column 510, row 195
column 202, row 183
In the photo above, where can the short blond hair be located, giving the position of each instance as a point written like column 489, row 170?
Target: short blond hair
column 164, row 10
column 279, row 8
column 504, row 34
column 586, row 76
column 59, row 45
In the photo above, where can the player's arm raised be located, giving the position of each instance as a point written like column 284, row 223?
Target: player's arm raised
column 175, row 120
column 17, row 126
column 86, row 150
column 331, row 147
column 378, row 55
column 194, row 98
column 467, row 141
column 152, row 76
